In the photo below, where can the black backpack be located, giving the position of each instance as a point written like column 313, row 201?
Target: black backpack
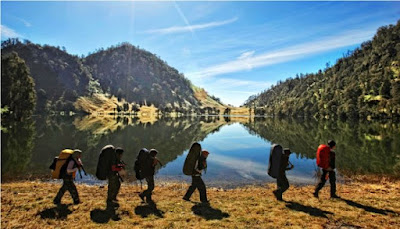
column 106, row 159
column 143, row 164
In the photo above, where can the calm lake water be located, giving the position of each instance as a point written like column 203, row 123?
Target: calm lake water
column 239, row 147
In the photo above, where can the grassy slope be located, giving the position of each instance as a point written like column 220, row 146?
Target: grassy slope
column 29, row 205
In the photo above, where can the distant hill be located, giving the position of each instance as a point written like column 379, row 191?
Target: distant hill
column 134, row 76
column 60, row 78
column 365, row 83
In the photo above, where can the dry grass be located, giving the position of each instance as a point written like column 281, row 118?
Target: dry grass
column 29, row 205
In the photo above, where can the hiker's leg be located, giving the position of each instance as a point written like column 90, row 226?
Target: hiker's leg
column 322, row 181
column 191, row 189
column 279, row 190
column 332, row 180
column 113, row 188
column 60, row 193
column 285, row 184
column 202, row 189
column 150, row 187
column 72, row 190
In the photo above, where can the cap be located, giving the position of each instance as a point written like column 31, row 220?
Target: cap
column 287, row 150
column 153, row 151
column 119, row 150
column 331, row 143
column 205, row 152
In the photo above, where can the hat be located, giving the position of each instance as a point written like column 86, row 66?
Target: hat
column 331, row 143
column 119, row 150
column 287, row 150
column 77, row 151
column 205, row 153
column 153, row 151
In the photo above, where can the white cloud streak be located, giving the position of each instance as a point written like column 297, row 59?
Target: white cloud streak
column 191, row 28
column 8, row 32
column 251, row 61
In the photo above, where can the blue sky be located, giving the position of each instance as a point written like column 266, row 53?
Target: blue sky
column 232, row 49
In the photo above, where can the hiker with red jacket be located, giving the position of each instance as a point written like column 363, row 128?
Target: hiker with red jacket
column 326, row 160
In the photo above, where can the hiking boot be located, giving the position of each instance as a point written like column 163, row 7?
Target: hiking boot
column 335, row 196
column 205, row 203
column 77, row 202
column 277, row 195
column 186, row 199
column 315, row 194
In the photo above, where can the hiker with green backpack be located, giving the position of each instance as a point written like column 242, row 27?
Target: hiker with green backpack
column 195, row 163
column 65, row 167
column 145, row 165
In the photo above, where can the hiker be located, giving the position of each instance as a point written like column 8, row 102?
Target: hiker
column 282, row 181
column 148, row 170
column 197, row 182
column 326, row 160
column 67, row 173
column 114, row 179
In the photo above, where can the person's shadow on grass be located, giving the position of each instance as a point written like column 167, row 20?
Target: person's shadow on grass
column 208, row 213
column 103, row 216
column 307, row 209
column 61, row 211
column 369, row 208
column 145, row 210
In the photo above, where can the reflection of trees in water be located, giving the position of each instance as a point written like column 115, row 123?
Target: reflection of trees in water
column 17, row 141
column 170, row 136
column 361, row 147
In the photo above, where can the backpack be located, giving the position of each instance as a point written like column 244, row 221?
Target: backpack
column 275, row 160
column 323, row 154
column 142, row 165
column 106, row 159
column 191, row 159
column 60, row 163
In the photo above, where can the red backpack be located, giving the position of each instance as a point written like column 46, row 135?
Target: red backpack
column 323, row 154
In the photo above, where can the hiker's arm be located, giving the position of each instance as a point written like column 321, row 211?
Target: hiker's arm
column 70, row 167
column 290, row 166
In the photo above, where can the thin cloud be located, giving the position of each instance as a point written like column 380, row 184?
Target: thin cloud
column 8, row 32
column 191, row 28
column 25, row 22
column 348, row 38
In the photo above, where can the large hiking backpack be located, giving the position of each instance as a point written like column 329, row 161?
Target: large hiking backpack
column 106, row 159
column 323, row 154
column 191, row 158
column 60, row 163
column 275, row 160
column 142, row 165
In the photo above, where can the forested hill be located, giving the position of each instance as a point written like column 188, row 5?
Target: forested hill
column 364, row 83
column 59, row 77
column 125, row 71
column 140, row 76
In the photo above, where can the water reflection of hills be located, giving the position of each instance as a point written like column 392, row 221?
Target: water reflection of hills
column 171, row 136
column 362, row 148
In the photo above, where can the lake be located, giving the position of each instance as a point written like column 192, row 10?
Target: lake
column 239, row 146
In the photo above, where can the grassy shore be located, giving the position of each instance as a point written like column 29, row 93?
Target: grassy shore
column 366, row 205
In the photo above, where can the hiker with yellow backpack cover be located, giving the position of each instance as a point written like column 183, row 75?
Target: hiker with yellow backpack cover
column 65, row 167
